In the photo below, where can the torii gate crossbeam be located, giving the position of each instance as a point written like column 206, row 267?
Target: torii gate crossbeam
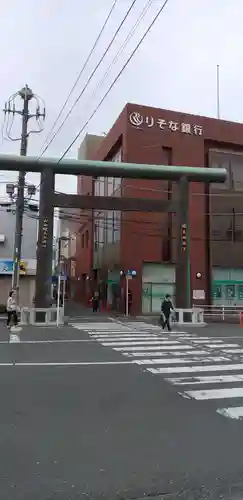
column 51, row 166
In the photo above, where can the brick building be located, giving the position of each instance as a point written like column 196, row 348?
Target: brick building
column 146, row 242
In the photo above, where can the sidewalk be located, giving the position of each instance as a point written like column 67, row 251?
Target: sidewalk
column 77, row 310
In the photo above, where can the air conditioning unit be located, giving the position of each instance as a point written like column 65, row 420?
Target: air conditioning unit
column 2, row 238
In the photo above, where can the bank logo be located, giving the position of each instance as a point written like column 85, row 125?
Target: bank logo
column 136, row 119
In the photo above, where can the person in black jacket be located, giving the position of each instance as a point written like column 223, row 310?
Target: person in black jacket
column 166, row 308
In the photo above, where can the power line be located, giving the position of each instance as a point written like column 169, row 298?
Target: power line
column 81, row 72
column 88, row 218
column 116, row 79
column 155, row 231
column 131, row 32
column 90, row 77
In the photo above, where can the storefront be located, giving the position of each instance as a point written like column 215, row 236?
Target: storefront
column 227, row 287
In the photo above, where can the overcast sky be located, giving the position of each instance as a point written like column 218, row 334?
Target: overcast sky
column 45, row 44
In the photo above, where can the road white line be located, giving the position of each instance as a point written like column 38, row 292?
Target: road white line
column 195, row 369
column 141, row 324
column 126, row 334
column 97, row 325
column 159, row 330
column 62, row 341
column 212, row 338
column 208, row 379
column 92, row 363
column 216, row 393
column 121, row 334
column 153, row 348
column 233, row 351
column 162, row 354
column 107, row 332
column 235, row 413
column 186, row 335
column 124, row 339
column 207, row 341
column 101, row 331
column 140, row 342
column 219, row 346
column 100, row 328
column 168, row 361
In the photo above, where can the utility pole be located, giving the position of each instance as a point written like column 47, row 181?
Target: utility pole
column 26, row 95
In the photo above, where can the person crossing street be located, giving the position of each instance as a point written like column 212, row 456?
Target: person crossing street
column 166, row 308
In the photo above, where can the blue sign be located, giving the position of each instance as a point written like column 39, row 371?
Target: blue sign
column 55, row 278
column 6, row 266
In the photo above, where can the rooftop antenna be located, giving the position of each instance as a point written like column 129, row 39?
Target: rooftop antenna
column 218, row 92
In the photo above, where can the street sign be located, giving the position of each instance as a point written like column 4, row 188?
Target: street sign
column 63, row 277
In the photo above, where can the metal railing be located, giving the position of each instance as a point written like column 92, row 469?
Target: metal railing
column 221, row 313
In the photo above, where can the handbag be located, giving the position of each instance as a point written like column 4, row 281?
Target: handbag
column 161, row 318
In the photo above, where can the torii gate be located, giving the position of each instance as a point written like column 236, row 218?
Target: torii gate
column 48, row 167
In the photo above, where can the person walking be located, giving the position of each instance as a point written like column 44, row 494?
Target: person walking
column 129, row 301
column 11, row 310
column 95, row 302
column 166, row 308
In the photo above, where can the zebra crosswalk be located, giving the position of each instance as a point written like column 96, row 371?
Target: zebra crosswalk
column 199, row 367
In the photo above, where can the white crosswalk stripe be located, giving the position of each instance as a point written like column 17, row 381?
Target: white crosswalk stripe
column 194, row 360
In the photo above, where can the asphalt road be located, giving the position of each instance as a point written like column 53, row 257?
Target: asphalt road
column 81, row 419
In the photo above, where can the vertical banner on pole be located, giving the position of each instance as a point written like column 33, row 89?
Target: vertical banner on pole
column 45, row 240
column 63, row 294
column 183, row 274
column 126, row 294
column 58, row 298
